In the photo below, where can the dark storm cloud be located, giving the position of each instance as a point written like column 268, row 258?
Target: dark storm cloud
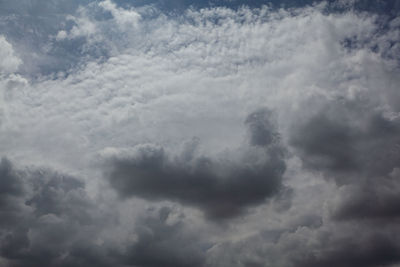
column 11, row 188
column 378, row 200
column 262, row 128
column 164, row 244
column 346, row 139
column 10, row 183
column 357, row 145
column 342, row 245
column 374, row 250
column 222, row 188
column 46, row 219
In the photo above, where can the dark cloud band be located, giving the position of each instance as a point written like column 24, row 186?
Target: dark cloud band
column 222, row 188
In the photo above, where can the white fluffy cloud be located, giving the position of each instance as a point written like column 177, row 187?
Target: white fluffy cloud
column 197, row 75
column 9, row 60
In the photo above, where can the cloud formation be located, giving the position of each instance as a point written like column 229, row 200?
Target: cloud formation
column 222, row 187
column 160, row 243
column 355, row 143
column 10, row 62
column 44, row 216
column 292, row 117
column 49, row 220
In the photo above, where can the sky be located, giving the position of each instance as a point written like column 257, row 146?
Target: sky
column 199, row 133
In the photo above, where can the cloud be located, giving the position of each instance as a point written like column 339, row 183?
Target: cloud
column 349, row 136
column 30, row 27
column 48, row 219
column 376, row 200
column 324, row 245
column 10, row 62
column 45, row 216
column 301, row 182
column 178, row 75
column 221, row 187
column 166, row 243
column 124, row 18
column 372, row 250
column 355, row 143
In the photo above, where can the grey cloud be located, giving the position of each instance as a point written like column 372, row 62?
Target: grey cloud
column 357, row 145
column 45, row 216
column 328, row 244
column 326, row 144
column 353, row 142
column 163, row 243
column 374, row 250
column 10, row 184
column 262, row 128
column 378, row 199
column 11, row 189
column 47, row 219
column 350, row 138
column 170, row 78
column 222, row 188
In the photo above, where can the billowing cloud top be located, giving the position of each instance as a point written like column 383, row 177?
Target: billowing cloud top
column 199, row 133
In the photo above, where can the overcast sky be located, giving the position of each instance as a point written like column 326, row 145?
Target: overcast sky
column 199, row 133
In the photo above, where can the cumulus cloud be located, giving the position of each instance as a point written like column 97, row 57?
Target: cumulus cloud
column 349, row 136
column 295, row 114
column 376, row 201
column 222, row 187
column 355, row 143
column 162, row 241
column 48, row 219
column 45, row 215
column 9, row 61
column 373, row 249
column 124, row 18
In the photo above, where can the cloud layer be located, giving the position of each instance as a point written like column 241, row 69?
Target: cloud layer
column 136, row 134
